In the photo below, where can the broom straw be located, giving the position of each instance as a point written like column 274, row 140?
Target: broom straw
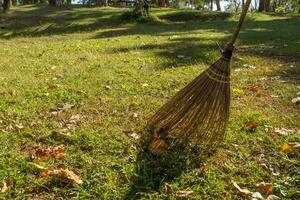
column 200, row 111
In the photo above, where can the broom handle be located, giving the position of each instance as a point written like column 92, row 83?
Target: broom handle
column 230, row 45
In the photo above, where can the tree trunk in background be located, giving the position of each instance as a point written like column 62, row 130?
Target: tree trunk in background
column 243, row 3
column 261, row 5
column 267, row 5
column 52, row 2
column 104, row 3
column 218, row 5
column 161, row 3
column 6, row 5
column 211, row 4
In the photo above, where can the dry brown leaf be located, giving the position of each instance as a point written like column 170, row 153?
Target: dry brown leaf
column 264, row 188
column 168, row 189
column 203, row 168
column 45, row 153
column 183, row 194
column 59, row 149
column 251, row 124
column 74, row 119
column 59, row 155
column 66, row 174
column 255, row 87
column 242, row 191
column 158, row 146
column 7, row 185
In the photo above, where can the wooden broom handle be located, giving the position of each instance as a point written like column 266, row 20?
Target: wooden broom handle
column 230, row 45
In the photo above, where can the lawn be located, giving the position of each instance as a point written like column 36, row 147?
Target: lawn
column 88, row 81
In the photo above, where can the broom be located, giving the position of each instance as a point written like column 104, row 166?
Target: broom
column 200, row 111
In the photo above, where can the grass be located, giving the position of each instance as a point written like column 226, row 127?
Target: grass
column 83, row 78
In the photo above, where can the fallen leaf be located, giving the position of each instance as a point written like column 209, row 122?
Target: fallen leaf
column 256, row 195
column 133, row 103
column 282, row 131
column 59, row 155
column 7, row 185
column 183, row 194
column 66, row 174
column 12, row 93
column 296, row 100
column 251, row 124
column 242, row 191
column 53, row 85
column 135, row 136
column 264, row 188
column 273, row 197
column 158, row 146
column 249, row 66
column 168, row 189
column 255, row 87
column 74, row 119
column 59, row 148
column 135, row 115
column 107, row 87
column 288, row 147
column 203, row 168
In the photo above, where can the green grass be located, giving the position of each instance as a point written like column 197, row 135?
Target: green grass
column 103, row 69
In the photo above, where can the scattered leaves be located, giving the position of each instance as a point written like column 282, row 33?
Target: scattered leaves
column 254, row 88
column 134, row 135
column 7, row 184
column 289, row 147
column 168, row 189
column 251, row 124
column 158, row 146
column 296, row 100
column 282, row 131
column 65, row 175
column 203, row 168
column 264, row 188
column 242, row 191
column 184, row 194
column 45, row 153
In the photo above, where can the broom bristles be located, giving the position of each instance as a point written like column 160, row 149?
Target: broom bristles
column 199, row 112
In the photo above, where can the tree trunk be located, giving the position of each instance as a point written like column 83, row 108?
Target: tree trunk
column 104, row 3
column 267, row 5
column 6, row 5
column 261, row 5
column 161, row 3
column 52, row 2
column 218, row 5
column 243, row 3
column 211, row 5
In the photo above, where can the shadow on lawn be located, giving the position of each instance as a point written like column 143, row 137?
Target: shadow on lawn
column 153, row 170
column 255, row 40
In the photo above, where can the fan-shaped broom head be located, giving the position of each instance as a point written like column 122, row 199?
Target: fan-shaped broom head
column 199, row 112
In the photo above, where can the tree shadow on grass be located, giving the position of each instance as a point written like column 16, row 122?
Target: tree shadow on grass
column 155, row 167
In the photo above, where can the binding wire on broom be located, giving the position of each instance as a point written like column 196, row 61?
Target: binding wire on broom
column 200, row 111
